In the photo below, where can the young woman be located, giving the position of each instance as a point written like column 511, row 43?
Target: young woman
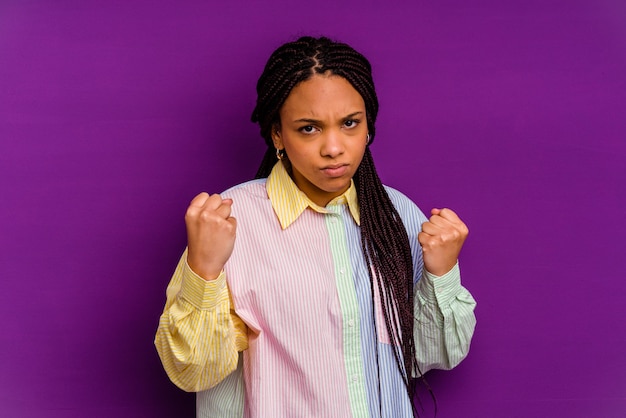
column 314, row 290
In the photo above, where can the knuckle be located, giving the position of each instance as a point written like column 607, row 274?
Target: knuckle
column 450, row 213
column 199, row 198
column 190, row 213
column 205, row 216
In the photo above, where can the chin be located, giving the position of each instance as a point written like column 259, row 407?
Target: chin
column 337, row 188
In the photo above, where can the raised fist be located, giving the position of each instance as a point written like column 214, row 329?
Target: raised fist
column 441, row 239
column 210, row 234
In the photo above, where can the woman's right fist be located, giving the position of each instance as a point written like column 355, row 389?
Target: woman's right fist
column 210, row 234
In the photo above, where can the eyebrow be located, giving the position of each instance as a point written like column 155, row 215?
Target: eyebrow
column 306, row 120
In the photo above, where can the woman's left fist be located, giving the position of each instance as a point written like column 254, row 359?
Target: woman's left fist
column 441, row 239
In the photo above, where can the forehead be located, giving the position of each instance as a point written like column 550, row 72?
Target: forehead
column 323, row 95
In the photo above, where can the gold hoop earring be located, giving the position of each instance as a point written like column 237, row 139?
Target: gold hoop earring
column 367, row 139
column 280, row 153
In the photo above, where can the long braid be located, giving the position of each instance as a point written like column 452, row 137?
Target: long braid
column 385, row 243
column 392, row 265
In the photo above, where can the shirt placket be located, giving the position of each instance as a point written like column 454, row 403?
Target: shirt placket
column 353, row 357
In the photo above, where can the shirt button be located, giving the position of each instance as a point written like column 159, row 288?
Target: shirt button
column 333, row 220
column 342, row 271
column 355, row 378
column 351, row 323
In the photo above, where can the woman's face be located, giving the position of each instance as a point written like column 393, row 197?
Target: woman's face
column 323, row 130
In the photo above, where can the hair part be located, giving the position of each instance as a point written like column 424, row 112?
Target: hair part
column 384, row 239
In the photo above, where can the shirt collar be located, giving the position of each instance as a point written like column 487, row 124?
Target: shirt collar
column 289, row 201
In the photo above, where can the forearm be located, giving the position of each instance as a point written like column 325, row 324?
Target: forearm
column 199, row 335
column 444, row 320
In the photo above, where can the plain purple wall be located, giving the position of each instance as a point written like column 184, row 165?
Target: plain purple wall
column 114, row 114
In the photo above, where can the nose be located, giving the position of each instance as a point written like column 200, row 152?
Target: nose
column 332, row 145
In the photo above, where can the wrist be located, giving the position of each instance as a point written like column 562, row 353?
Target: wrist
column 206, row 272
column 440, row 270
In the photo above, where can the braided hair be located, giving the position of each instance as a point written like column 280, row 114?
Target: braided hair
column 385, row 243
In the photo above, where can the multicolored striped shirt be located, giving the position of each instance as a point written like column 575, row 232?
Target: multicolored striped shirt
column 290, row 328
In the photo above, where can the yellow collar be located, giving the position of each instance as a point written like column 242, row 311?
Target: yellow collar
column 289, row 202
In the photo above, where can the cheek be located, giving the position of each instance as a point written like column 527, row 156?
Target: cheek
column 299, row 151
column 359, row 149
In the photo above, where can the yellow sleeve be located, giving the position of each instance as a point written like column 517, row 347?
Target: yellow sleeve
column 199, row 334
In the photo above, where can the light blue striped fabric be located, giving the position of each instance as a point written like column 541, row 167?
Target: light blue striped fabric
column 395, row 402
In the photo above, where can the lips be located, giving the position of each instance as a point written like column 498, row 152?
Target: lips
column 335, row 170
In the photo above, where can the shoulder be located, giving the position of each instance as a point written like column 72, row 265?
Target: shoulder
column 407, row 209
column 249, row 198
column 249, row 189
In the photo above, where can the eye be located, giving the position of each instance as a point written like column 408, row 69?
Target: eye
column 309, row 129
column 351, row 123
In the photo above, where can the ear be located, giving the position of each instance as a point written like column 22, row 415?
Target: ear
column 276, row 137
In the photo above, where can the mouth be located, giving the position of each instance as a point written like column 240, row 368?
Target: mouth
column 335, row 170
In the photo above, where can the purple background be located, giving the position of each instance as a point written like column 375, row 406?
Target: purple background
column 114, row 114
